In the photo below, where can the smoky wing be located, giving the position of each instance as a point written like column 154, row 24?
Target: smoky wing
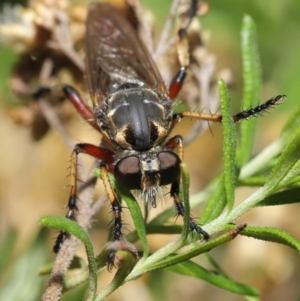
column 115, row 56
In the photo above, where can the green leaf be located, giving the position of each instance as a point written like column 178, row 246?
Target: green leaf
column 21, row 278
column 292, row 177
column 67, row 225
column 215, row 204
column 217, row 268
column 229, row 144
column 253, row 181
column 195, row 251
column 289, row 196
column 272, row 235
column 137, row 216
column 189, row 268
column 252, row 87
column 287, row 161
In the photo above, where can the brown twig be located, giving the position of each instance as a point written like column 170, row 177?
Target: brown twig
column 63, row 40
column 53, row 120
column 67, row 250
column 203, row 76
column 163, row 45
column 46, row 109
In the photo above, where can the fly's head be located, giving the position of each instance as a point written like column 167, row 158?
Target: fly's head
column 148, row 171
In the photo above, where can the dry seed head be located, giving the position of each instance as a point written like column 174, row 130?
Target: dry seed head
column 24, row 29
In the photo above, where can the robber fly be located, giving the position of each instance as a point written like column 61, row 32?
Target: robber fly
column 132, row 109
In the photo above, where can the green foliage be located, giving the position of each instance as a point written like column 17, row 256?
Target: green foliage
column 276, row 170
column 252, row 88
column 22, row 277
column 229, row 145
column 189, row 268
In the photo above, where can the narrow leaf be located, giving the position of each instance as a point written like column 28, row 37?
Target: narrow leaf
column 137, row 216
column 215, row 204
column 229, row 144
column 199, row 249
column 189, row 268
column 253, row 181
column 286, row 162
column 252, row 87
column 272, row 235
column 289, row 196
column 215, row 265
column 292, row 176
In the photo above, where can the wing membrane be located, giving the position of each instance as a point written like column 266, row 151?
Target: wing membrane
column 115, row 56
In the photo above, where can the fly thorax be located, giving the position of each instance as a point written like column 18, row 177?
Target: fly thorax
column 138, row 118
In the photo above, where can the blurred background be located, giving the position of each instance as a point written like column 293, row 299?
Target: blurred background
column 33, row 173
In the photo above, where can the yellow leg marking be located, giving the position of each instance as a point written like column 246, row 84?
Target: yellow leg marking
column 180, row 150
column 202, row 116
column 107, row 185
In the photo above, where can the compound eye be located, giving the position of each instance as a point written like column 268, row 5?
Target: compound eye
column 169, row 167
column 128, row 173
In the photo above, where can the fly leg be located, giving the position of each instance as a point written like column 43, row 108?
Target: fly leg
column 176, row 142
column 183, row 55
column 117, row 212
column 55, row 96
column 83, row 109
column 97, row 152
column 182, row 52
column 244, row 115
